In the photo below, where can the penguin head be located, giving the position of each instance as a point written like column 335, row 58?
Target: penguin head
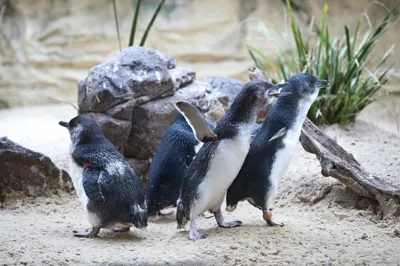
column 259, row 93
column 82, row 128
column 254, row 97
column 306, row 85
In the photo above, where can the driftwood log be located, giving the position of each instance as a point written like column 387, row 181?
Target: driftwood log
column 338, row 163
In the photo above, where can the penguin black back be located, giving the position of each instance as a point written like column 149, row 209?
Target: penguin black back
column 169, row 164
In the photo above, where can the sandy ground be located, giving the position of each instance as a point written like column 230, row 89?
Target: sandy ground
column 325, row 224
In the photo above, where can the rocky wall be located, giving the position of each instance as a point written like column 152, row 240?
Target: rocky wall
column 46, row 46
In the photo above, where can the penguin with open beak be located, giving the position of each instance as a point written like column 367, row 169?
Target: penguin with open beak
column 221, row 157
column 272, row 148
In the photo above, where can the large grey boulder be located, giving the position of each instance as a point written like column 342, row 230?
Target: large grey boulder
column 133, row 95
column 150, row 121
column 136, row 75
column 28, row 172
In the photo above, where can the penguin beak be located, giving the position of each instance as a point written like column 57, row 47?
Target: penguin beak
column 64, row 124
column 276, row 91
column 322, row 84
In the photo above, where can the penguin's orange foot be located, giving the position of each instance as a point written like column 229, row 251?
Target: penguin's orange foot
column 268, row 218
column 267, row 215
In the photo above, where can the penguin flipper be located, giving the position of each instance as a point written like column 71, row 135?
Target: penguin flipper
column 91, row 185
column 254, row 131
column 196, row 121
column 279, row 134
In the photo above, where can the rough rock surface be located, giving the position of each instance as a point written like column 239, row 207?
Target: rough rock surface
column 133, row 95
column 150, row 121
column 32, row 173
column 137, row 75
column 225, row 88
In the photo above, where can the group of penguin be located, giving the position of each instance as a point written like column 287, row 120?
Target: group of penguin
column 198, row 164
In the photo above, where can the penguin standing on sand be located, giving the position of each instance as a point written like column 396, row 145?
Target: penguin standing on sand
column 219, row 160
column 110, row 192
column 176, row 151
column 270, row 152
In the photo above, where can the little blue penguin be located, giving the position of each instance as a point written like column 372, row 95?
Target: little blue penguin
column 220, row 158
column 272, row 148
column 175, row 153
column 108, row 188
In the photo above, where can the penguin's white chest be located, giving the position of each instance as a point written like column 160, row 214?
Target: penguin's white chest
column 226, row 163
column 76, row 172
column 284, row 155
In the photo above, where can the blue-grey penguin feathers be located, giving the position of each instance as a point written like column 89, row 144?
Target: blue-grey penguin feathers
column 218, row 161
column 110, row 183
column 272, row 148
column 177, row 149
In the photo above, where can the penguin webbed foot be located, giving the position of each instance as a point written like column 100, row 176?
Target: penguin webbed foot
column 267, row 215
column 274, row 224
column 121, row 230
column 195, row 235
column 87, row 234
column 230, row 224
column 221, row 222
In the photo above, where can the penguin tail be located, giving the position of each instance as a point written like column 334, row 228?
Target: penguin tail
column 231, row 202
column 181, row 216
column 139, row 218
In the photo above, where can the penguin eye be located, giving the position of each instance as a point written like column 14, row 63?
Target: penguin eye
column 72, row 123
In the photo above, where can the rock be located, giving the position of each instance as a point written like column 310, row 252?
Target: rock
column 217, row 110
column 115, row 130
column 140, row 166
column 32, row 173
column 182, row 76
column 137, row 74
column 113, row 91
column 220, row 95
column 133, row 95
column 225, row 87
column 151, row 120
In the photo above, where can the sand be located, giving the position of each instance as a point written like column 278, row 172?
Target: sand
column 325, row 224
